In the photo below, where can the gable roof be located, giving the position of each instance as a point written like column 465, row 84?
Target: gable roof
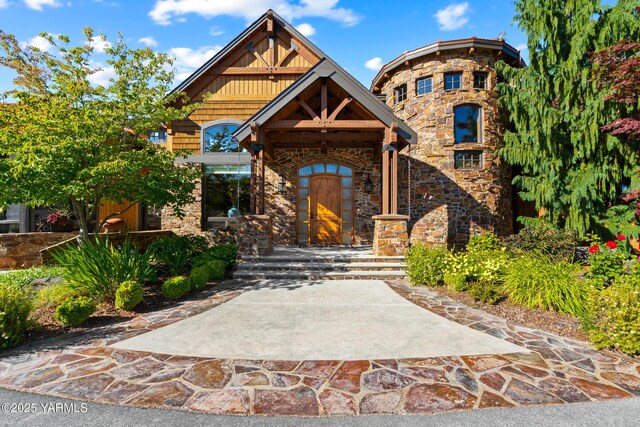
column 329, row 69
column 236, row 42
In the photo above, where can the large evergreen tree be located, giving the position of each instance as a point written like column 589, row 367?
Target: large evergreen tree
column 569, row 167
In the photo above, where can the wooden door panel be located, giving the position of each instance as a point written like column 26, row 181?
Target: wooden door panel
column 326, row 209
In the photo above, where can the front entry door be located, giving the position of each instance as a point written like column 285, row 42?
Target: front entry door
column 325, row 209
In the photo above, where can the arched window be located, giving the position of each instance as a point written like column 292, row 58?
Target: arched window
column 467, row 127
column 216, row 137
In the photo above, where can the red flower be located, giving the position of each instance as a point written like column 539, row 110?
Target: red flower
column 594, row 249
column 611, row 244
column 621, row 237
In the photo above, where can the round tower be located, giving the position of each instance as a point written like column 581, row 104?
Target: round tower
column 453, row 183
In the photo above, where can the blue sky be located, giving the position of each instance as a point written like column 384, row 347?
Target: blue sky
column 358, row 34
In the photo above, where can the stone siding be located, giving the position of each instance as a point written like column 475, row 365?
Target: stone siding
column 282, row 207
column 191, row 222
column 255, row 236
column 391, row 236
column 449, row 205
column 23, row 250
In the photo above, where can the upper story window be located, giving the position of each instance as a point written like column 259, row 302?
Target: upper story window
column 216, row 136
column 400, row 93
column 452, row 81
column 424, row 85
column 480, row 80
column 159, row 137
column 467, row 123
column 468, row 160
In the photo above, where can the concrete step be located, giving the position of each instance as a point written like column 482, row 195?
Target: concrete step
column 318, row 275
column 334, row 266
column 320, row 258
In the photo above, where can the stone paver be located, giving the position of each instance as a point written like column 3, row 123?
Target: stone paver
column 554, row 371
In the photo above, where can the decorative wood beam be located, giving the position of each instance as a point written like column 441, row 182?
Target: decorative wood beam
column 258, row 70
column 369, row 137
column 302, row 49
column 318, row 144
column 268, row 149
column 339, row 108
column 308, row 109
column 270, row 23
column 294, row 47
column 325, row 124
column 324, row 100
column 255, row 130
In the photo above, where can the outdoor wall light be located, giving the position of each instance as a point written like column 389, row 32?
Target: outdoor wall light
column 368, row 185
column 282, row 185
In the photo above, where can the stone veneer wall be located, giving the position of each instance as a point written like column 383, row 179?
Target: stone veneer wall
column 191, row 222
column 450, row 205
column 282, row 207
column 23, row 249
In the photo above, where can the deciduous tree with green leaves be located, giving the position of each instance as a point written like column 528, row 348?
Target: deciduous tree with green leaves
column 67, row 140
column 569, row 167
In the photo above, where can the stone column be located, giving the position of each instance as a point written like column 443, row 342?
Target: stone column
column 390, row 236
column 255, row 235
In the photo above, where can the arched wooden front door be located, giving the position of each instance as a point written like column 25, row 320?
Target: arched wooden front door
column 325, row 204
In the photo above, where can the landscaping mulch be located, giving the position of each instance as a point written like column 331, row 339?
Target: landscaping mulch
column 561, row 324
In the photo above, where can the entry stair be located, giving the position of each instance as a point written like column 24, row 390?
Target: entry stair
column 321, row 263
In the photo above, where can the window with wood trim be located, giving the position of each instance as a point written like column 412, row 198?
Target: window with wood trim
column 217, row 139
column 400, row 93
column 468, row 160
column 424, row 85
column 453, row 81
column 467, row 124
column 480, row 80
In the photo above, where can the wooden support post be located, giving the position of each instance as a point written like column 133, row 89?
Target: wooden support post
column 394, row 182
column 261, row 182
column 252, row 193
column 385, row 182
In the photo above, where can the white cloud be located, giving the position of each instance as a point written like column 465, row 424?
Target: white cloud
column 38, row 4
column 99, row 44
column 148, row 41
column 103, row 76
column 306, row 30
column 374, row 64
column 522, row 47
column 164, row 10
column 187, row 60
column 216, row 31
column 38, row 42
column 453, row 17
column 4, row 4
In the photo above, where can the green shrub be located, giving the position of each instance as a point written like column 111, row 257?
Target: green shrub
column 175, row 287
column 16, row 304
column 24, row 277
column 227, row 252
column 174, row 253
column 614, row 315
column 541, row 238
column 216, row 269
column 536, row 280
column 456, row 281
column 199, row 278
column 485, row 291
column 97, row 268
column 606, row 264
column 56, row 295
column 484, row 243
column 129, row 295
column 484, row 259
column 425, row 266
column 75, row 311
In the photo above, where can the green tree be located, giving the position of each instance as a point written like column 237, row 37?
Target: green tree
column 570, row 168
column 66, row 140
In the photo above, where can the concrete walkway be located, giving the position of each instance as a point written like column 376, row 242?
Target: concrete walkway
column 318, row 320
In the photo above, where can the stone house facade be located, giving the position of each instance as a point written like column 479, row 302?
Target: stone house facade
column 317, row 158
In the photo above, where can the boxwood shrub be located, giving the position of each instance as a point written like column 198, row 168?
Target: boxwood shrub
column 216, row 269
column 199, row 278
column 129, row 295
column 75, row 311
column 175, row 287
column 15, row 308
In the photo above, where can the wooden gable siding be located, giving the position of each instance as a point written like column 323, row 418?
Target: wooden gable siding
column 239, row 96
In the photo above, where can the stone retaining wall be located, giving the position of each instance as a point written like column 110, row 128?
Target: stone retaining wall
column 255, row 236
column 22, row 250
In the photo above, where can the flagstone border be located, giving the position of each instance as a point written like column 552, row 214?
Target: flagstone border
column 554, row 370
